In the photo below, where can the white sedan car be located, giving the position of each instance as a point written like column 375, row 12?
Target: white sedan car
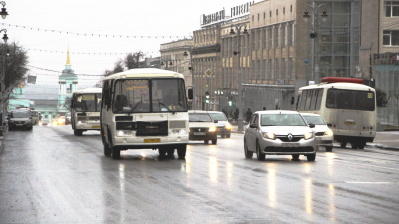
column 324, row 135
column 279, row 132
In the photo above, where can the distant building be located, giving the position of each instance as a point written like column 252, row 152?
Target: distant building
column 68, row 84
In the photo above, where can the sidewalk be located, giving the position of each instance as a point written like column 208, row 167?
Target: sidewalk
column 384, row 139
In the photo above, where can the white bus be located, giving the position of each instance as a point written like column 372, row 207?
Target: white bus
column 348, row 107
column 144, row 109
column 85, row 110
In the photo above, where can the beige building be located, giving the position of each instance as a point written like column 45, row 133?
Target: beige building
column 173, row 58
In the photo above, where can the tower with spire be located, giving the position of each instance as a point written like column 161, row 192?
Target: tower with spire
column 68, row 82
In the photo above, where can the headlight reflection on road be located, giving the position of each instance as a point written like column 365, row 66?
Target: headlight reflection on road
column 271, row 183
column 308, row 195
column 331, row 201
column 229, row 171
column 213, row 169
column 186, row 166
column 122, row 177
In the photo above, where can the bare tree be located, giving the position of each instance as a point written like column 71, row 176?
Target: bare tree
column 15, row 61
column 132, row 60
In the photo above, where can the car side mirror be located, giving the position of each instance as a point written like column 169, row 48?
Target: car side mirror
column 253, row 126
column 312, row 125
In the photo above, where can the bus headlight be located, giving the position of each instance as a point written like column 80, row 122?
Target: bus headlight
column 212, row 129
column 269, row 135
column 124, row 133
column 308, row 135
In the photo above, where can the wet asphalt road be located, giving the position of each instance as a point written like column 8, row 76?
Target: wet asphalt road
column 51, row 176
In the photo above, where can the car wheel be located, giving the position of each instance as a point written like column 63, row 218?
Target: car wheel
column 107, row 149
column 214, row 141
column 181, row 151
column 116, row 153
column 206, row 141
column 223, row 136
column 162, row 152
column 329, row 148
column 248, row 154
column 295, row 157
column 261, row 156
column 228, row 136
column 311, row 157
column 343, row 144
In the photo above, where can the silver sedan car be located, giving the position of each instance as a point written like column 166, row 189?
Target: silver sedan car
column 279, row 132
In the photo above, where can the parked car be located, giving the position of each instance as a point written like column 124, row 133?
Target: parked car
column 223, row 125
column 43, row 122
column 323, row 134
column 20, row 118
column 202, row 127
column 279, row 132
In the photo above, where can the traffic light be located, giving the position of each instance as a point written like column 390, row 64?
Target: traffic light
column 207, row 97
column 230, row 102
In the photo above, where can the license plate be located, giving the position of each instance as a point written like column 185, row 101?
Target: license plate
column 349, row 123
column 152, row 140
column 199, row 133
column 95, row 126
column 290, row 144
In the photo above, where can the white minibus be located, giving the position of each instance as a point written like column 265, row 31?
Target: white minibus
column 85, row 110
column 144, row 109
column 347, row 106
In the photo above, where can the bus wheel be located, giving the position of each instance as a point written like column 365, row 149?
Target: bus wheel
column 343, row 144
column 107, row 149
column 170, row 152
column 77, row 132
column 311, row 157
column 214, row 141
column 354, row 145
column 162, row 152
column 329, row 148
column 361, row 145
column 181, row 151
column 116, row 153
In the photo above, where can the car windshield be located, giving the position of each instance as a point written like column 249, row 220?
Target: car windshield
column 219, row 116
column 316, row 120
column 199, row 117
column 20, row 114
column 282, row 120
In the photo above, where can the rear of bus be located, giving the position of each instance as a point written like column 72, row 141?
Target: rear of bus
column 349, row 109
column 144, row 109
column 85, row 110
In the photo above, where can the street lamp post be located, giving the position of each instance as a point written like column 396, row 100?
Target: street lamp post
column 3, row 14
column 240, row 112
column 191, row 68
column 313, row 34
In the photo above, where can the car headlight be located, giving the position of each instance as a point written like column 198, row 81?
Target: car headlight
column 308, row 135
column 212, row 129
column 269, row 135
column 124, row 133
column 228, row 126
column 329, row 132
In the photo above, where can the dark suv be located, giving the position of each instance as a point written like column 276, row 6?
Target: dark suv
column 20, row 118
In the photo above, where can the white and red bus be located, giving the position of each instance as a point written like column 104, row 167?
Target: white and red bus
column 347, row 105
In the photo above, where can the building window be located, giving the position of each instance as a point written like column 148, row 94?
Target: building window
column 284, row 35
column 283, row 68
column 276, row 37
column 69, row 89
column 290, row 8
column 264, row 70
column 253, row 17
column 259, row 39
column 283, row 10
column 264, row 38
column 270, row 14
column 276, row 12
column 270, row 68
column 391, row 38
column 253, row 40
column 290, row 37
column 291, row 68
column 276, row 68
column 264, row 15
column 270, row 37
column 258, row 16
column 391, row 8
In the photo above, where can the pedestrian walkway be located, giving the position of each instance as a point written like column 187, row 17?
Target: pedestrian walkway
column 384, row 139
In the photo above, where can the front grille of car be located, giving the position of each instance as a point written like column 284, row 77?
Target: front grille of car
column 289, row 149
column 192, row 130
column 152, row 128
column 319, row 133
column 284, row 138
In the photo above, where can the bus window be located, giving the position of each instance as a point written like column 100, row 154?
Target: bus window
column 131, row 96
column 319, row 98
column 350, row 99
column 308, row 99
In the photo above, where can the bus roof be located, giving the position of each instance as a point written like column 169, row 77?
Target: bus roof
column 145, row 72
column 338, row 85
column 88, row 90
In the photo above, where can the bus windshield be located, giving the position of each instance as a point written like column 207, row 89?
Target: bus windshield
column 350, row 99
column 149, row 95
column 89, row 102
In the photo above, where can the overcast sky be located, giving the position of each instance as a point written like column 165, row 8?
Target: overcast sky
column 78, row 24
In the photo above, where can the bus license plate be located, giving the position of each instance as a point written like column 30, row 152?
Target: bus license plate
column 96, row 126
column 350, row 123
column 152, row 140
column 290, row 144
